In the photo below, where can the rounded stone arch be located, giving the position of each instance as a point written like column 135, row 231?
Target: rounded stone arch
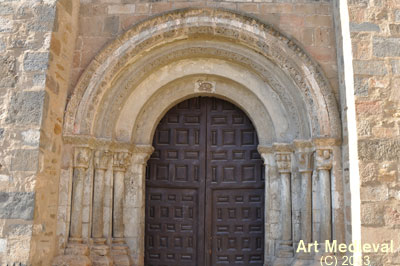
column 130, row 85
column 122, row 81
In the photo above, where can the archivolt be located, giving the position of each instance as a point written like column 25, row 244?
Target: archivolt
column 132, row 83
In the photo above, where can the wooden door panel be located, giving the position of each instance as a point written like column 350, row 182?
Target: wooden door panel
column 204, row 188
column 172, row 227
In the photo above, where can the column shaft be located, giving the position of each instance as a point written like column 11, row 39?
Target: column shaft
column 76, row 208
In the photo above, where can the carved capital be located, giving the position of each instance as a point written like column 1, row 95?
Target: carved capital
column 323, row 159
column 82, row 157
column 266, row 153
column 121, row 161
column 141, row 153
column 304, row 160
column 102, row 159
column 283, row 161
column 304, row 151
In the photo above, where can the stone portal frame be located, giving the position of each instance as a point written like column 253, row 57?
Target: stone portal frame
column 127, row 89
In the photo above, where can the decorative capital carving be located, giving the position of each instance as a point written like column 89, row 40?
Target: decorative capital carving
column 323, row 159
column 82, row 157
column 304, row 151
column 283, row 161
column 141, row 153
column 266, row 153
column 304, row 160
column 102, row 159
column 121, row 161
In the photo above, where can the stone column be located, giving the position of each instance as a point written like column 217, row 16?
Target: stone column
column 140, row 155
column 101, row 161
column 267, row 155
column 121, row 161
column 323, row 165
column 82, row 157
column 283, row 161
column 304, row 151
column 100, row 251
column 77, row 250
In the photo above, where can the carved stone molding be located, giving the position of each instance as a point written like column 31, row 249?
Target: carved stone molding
column 82, row 157
column 102, row 159
column 141, row 153
column 304, row 151
column 323, row 159
column 121, row 161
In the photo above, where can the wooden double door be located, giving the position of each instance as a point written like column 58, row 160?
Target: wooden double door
column 204, row 188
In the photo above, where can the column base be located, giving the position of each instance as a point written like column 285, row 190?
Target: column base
column 120, row 253
column 285, row 249
column 100, row 253
column 76, row 254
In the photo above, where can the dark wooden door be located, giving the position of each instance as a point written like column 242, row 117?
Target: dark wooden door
column 204, row 188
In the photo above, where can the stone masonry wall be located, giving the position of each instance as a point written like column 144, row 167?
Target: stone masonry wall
column 375, row 34
column 35, row 65
column 309, row 22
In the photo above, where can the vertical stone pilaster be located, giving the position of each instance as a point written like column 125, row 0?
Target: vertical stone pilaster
column 267, row 154
column 121, row 161
column 100, row 251
column 82, row 156
column 304, row 152
column 101, row 161
column 283, row 156
column 140, row 156
column 323, row 164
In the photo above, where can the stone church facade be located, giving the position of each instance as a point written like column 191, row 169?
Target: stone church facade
column 198, row 132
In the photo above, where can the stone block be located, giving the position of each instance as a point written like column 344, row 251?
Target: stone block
column 24, row 160
column 374, row 193
column 379, row 149
column 17, row 205
column 370, row 67
column 39, row 79
column 386, row 47
column 31, row 137
column 361, row 86
column 6, row 25
column 26, row 107
column 45, row 12
column 397, row 16
column 365, row 26
column 111, row 25
column 372, row 214
column 6, row 9
column 1, row 133
column 121, row 9
column 3, row 245
column 36, row 61
column 19, row 230
column 8, row 76
column 394, row 29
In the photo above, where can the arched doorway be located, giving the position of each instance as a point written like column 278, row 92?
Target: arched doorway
column 205, row 188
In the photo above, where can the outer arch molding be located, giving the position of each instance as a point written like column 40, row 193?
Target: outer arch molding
column 205, row 24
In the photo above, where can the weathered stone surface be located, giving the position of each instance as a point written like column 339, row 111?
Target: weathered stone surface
column 3, row 245
column 383, row 47
column 36, row 61
column 24, row 160
column 365, row 26
column 369, row 67
column 360, row 86
column 17, row 205
column 372, row 214
column 380, row 150
column 8, row 75
column 6, row 25
column 26, row 107
column 1, row 133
